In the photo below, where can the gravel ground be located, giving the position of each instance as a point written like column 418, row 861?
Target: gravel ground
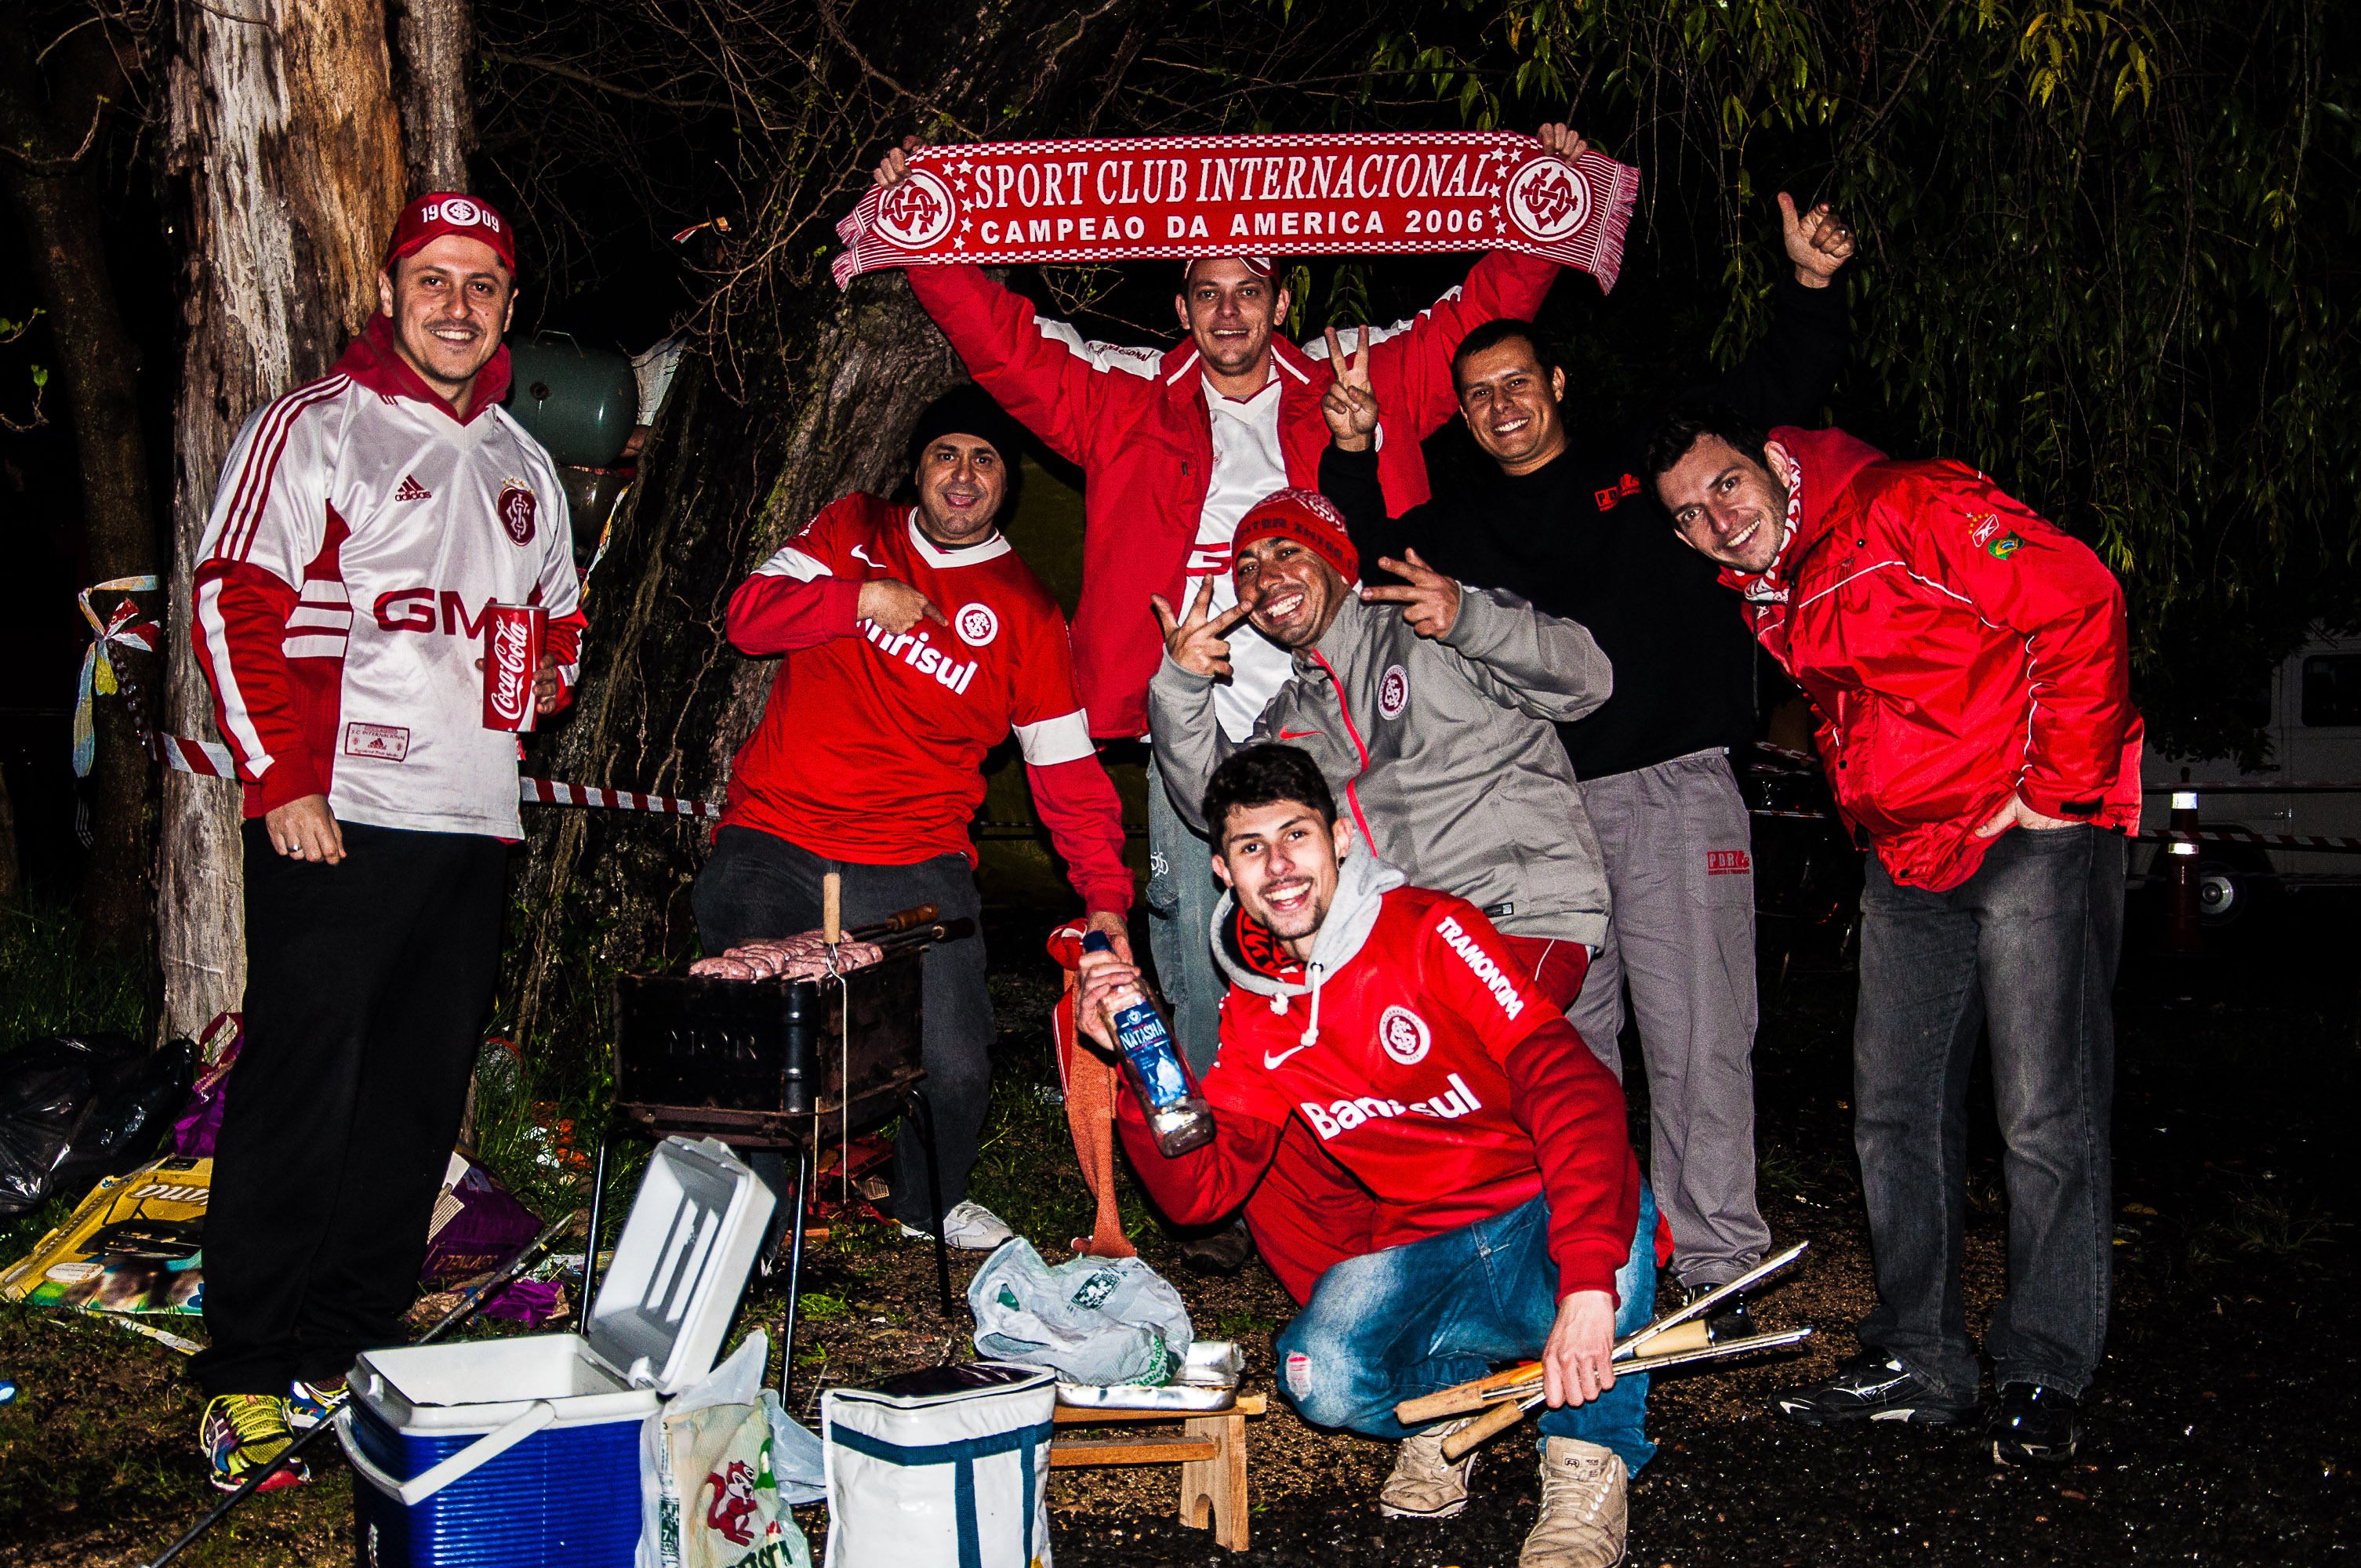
column 2222, row 1427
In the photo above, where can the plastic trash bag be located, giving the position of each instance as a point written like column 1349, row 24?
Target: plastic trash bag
column 201, row 1117
column 476, row 1224
column 712, row 1493
column 1093, row 1319
column 47, row 1090
column 127, row 1117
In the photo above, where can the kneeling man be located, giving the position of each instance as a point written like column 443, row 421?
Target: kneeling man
column 1511, row 1218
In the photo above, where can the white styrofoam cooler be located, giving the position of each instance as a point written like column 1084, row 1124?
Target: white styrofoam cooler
column 525, row 1452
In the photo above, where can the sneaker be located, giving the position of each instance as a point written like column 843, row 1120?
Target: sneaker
column 244, row 1432
column 969, row 1226
column 1224, row 1252
column 308, row 1404
column 2034, row 1424
column 1424, row 1485
column 1872, row 1387
column 1584, row 1509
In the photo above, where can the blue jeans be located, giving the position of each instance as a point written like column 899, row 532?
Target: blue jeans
column 1419, row 1317
column 2026, row 947
column 1181, row 895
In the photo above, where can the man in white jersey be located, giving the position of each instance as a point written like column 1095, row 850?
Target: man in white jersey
column 364, row 525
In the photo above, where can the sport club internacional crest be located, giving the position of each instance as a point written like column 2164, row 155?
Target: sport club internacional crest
column 917, row 212
column 1404, row 1036
column 1547, row 200
column 516, row 510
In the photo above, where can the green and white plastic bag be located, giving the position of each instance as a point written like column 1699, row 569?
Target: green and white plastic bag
column 1093, row 1319
column 720, row 1466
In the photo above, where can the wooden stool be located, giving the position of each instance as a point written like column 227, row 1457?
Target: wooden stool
column 1211, row 1451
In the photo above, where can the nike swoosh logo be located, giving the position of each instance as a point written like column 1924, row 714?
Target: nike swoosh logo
column 1297, row 734
column 1271, row 1063
column 860, row 554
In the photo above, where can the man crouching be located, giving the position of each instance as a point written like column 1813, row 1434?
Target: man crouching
column 1511, row 1219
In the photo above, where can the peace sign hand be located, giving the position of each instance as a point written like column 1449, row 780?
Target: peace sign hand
column 1199, row 645
column 1431, row 602
column 1350, row 404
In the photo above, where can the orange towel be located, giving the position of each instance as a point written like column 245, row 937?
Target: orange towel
column 1090, row 1083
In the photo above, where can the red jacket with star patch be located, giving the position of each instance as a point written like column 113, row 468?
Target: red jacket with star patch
column 1958, row 647
column 1437, row 1075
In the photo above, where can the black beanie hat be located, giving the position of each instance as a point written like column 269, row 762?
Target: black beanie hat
column 968, row 410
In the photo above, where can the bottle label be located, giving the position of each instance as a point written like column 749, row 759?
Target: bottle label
column 1141, row 1034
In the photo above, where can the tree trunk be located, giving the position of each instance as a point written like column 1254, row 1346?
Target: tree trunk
column 433, row 42
column 725, row 480
column 285, row 131
column 57, row 128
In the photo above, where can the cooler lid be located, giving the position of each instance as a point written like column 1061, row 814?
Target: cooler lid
column 680, row 1265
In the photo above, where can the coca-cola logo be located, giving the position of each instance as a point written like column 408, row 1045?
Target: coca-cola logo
column 516, row 508
column 510, row 650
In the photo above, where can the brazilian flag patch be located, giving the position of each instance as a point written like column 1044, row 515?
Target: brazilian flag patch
column 2002, row 548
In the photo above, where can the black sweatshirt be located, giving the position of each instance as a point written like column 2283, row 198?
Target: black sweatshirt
column 1580, row 540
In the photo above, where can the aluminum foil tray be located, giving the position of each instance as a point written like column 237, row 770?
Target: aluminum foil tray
column 1208, row 1381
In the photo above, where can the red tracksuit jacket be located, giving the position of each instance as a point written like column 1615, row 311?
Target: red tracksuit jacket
column 1139, row 427
column 1959, row 648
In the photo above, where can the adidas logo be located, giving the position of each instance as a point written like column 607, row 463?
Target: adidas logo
column 412, row 491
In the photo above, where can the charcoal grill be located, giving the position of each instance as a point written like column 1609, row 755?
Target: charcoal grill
column 782, row 1064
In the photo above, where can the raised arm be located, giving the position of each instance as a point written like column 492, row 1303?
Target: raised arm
column 1785, row 378
column 1538, row 664
column 1181, row 725
column 1348, row 466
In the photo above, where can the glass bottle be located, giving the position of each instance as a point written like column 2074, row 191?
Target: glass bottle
column 1175, row 1113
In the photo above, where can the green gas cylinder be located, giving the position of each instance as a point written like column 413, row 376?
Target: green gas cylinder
column 580, row 402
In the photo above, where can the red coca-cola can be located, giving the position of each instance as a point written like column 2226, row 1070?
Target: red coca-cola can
column 514, row 636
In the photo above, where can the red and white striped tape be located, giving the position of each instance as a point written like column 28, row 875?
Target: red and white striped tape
column 213, row 761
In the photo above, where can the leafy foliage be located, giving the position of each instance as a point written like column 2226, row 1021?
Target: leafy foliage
column 2110, row 260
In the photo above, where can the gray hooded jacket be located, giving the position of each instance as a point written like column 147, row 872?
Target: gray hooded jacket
column 1442, row 751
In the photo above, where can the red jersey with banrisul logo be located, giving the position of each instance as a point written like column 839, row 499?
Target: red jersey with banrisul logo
column 872, row 743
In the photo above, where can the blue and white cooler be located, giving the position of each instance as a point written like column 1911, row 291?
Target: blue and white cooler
column 524, row 1453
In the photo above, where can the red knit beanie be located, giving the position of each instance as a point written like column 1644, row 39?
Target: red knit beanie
column 1311, row 520
column 446, row 212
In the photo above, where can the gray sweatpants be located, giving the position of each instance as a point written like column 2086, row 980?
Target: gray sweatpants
column 1680, row 867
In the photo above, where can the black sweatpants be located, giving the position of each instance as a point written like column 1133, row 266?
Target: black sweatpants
column 367, row 985
column 757, row 884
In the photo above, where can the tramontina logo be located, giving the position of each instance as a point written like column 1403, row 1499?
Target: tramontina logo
column 917, row 212
column 975, row 624
column 1548, row 198
column 1404, row 1036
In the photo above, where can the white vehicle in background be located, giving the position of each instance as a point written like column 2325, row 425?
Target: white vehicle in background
column 2315, row 731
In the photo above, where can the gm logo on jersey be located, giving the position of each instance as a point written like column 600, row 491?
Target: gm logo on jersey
column 975, row 624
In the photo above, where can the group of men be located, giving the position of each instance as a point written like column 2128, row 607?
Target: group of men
column 1434, row 781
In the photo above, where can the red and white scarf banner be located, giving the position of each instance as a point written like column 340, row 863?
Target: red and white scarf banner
column 1259, row 195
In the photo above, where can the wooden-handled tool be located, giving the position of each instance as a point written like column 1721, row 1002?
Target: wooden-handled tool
column 831, row 909
column 1696, row 1334
column 1511, row 1410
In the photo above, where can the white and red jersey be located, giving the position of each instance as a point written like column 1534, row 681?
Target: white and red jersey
column 359, row 531
column 1438, row 1074
column 871, row 745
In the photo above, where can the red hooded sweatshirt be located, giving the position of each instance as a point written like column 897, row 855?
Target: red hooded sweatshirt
column 1960, row 648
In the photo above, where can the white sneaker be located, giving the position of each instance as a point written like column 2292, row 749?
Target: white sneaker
column 1424, row 1485
column 1584, row 1509
column 969, row 1226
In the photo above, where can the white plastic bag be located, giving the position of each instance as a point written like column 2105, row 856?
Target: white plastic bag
column 1093, row 1319
column 945, row 1468
column 709, row 1493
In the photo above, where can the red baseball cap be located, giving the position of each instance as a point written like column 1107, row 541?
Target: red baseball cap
column 1311, row 520
column 1262, row 267
column 439, row 213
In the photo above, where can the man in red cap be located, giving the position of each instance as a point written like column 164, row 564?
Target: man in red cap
column 363, row 525
column 1176, row 444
